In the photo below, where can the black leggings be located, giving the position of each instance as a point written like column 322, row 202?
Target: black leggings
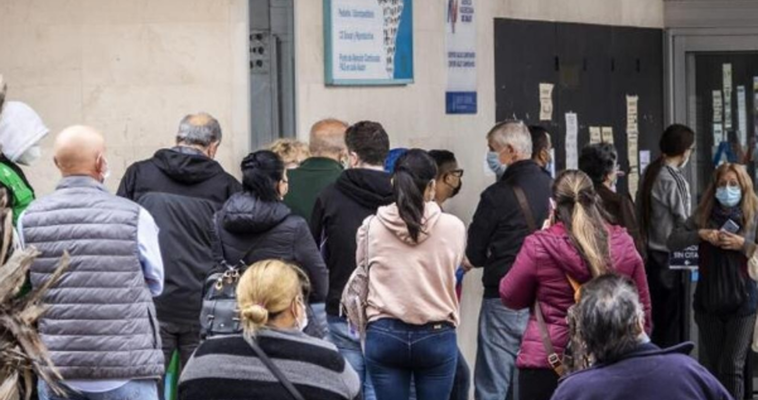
column 536, row 384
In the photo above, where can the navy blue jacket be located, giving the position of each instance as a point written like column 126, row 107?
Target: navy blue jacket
column 648, row 372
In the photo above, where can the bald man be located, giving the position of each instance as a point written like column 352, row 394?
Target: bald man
column 328, row 152
column 100, row 327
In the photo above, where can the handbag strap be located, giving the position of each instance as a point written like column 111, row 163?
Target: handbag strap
column 552, row 357
column 274, row 369
column 525, row 209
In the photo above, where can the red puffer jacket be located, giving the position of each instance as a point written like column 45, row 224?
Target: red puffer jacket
column 539, row 273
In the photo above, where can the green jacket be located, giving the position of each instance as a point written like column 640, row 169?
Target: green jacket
column 20, row 194
column 307, row 181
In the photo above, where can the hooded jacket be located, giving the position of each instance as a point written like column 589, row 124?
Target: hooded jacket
column 182, row 188
column 646, row 373
column 183, row 171
column 412, row 281
column 338, row 213
column 540, row 274
column 251, row 230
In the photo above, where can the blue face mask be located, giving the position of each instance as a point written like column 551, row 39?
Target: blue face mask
column 729, row 196
column 493, row 161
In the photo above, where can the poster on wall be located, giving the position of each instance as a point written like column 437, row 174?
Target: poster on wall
column 368, row 42
column 460, row 42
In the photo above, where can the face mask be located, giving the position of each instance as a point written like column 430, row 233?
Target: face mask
column 31, row 155
column 729, row 196
column 457, row 189
column 493, row 161
column 301, row 324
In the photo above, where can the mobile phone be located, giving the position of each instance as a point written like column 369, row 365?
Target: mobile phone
column 731, row 227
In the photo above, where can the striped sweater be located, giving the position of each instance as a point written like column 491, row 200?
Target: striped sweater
column 226, row 368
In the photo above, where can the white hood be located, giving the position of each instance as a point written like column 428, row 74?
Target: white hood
column 20, row 128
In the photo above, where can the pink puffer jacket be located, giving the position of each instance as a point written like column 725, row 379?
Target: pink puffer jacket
column 539, row 273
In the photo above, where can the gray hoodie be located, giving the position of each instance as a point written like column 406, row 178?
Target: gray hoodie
column 671, row 205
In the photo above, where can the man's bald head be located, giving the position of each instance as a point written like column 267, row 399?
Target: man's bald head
column 80, row 150
column 328, row 138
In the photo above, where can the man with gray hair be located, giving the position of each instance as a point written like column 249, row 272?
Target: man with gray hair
column 625, row 365
column 183, row 187
column 501, row 223
column 328, row 151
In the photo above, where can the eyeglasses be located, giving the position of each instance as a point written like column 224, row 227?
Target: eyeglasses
column 457, row 173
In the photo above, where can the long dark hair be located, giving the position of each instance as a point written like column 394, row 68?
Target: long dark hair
column 577, row 207
column 676, row 140
column 414, row 171
column 261, row 172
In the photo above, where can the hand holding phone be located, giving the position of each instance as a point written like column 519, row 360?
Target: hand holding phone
column 730, row 226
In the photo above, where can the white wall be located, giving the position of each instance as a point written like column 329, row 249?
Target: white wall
column 130, row 68
column 414, row 115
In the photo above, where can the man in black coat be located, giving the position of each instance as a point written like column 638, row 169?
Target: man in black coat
column 183, row 187
column 339, row 211
column 494, row 239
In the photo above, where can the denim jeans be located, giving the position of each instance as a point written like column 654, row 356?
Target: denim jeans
column 397, row 352
column 498, row 341
column 350, row 347
column 462, row 382
column 134, row 390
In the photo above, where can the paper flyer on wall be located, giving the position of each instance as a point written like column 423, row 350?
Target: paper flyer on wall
column 572, row 145
column 632, row 116
column 742, row 114
column 632, row 135
column 595, row 135
column 607, row 134
column 727, row 75
column 718, row 106
column 718, row 134
column 644, row 160
column 546, row 101
column 460, row 42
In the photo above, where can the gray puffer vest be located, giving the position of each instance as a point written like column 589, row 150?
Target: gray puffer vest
column 101, row 320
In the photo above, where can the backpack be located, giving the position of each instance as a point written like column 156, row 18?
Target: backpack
column 355, row 294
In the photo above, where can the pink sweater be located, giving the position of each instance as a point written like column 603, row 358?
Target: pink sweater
column 412, row 282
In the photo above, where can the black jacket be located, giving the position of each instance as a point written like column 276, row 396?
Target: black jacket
column 499, row 226
column 251, row 230
column 182, row 189
column 338, row 213
column 181, row 170
column 185, row 237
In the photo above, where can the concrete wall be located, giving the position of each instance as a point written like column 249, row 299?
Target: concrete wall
column 131, row 68
column 415, row 115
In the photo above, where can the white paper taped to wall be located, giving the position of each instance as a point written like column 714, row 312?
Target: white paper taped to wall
column 644, row 160
column 727, row 77
column 728, row 110
column 718, row 106
column 607, row 133
column 546, row 101
column 572, row 147
column 632, row 116
column 595, row 135
column 742, row 114
column 718, row 133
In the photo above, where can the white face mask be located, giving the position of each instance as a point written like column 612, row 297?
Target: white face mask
column 31, row 155
column 302, row 323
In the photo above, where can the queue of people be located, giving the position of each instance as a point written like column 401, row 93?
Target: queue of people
column 577, row 289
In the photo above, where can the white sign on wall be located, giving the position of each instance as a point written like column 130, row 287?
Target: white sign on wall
column 368, row 42
column 460, row 41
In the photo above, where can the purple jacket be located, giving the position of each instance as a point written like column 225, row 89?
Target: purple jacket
column 646, row 373
column 539, row 273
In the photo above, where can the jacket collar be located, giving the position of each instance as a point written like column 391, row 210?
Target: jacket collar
column 80, row 181
column 520, row 167
column 320, row 163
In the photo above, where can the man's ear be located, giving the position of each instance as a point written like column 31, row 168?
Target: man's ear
column 55, row 161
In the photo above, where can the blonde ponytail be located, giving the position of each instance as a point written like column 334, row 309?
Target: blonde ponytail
column 578, row 209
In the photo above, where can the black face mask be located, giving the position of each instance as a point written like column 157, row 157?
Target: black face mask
column 456, row 189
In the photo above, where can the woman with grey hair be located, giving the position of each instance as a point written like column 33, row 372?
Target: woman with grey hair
column 624, row 363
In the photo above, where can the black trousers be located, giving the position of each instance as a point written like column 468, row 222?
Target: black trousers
column 724, row 341
column 537, row 383
column 668, row 298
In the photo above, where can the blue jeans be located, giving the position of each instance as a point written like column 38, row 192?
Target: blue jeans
column 134, row 390
column 498, row 341
column 350, row 347
column 397, row 352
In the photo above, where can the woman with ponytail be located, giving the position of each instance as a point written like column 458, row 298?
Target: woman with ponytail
column 413, row 250
column 577, row 245
column 271, row 297
column 664, row 203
